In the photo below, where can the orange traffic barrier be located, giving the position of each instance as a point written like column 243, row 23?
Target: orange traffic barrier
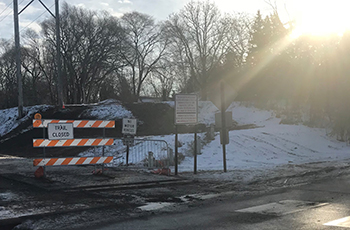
column 76, row 123
column 72, row 161
column 72, row 142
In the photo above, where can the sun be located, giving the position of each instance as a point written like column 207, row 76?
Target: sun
column 320, row 18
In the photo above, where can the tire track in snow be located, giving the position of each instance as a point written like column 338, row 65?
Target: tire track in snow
column 292, row 142
column 250, row 149
column 247, row 149
column 261, row 140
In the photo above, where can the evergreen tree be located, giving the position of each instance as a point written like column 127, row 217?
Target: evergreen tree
column 267, row 59
column 259, row 39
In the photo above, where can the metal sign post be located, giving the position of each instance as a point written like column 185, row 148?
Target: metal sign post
column 127, row 154
column 195, row 151
column 44, row 153
column 186, row 113
column 223, row 122
column 128, row 140
column 176, row 150
column 129, row 131
column 103, row 149
column 222, row 101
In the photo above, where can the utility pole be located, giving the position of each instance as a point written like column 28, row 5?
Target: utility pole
column 59, row 85
column 18, row 60
column 58, row 50
column 18, row 54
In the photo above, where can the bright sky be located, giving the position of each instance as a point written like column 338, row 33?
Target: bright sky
column 322, row 17
column 311, row 16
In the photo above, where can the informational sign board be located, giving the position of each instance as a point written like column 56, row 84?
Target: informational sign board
column 186, row 109
column 229, row 95
column 60, row 131
column 227, row 138
column 128, row 140
column 228, row 121
column 129, row 126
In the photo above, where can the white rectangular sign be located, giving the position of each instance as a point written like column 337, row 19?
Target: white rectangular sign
column 129, row 126
column 186, row 109
column 60, row 131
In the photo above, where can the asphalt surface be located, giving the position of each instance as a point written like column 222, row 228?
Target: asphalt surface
column 327, row 202
column 75, row 198
column 71, row 191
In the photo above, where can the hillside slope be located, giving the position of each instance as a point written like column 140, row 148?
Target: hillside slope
column 268, row 145
column 16, row 135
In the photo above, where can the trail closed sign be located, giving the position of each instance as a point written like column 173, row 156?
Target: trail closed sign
column 60, row 131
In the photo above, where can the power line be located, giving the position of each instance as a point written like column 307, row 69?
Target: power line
column 29, row 23
column 5, row 16
column 21, row 2
column 36, row 18
column 5, row 8
column 25, row 7
column 9, row 12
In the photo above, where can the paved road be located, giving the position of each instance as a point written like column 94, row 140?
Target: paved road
column 305, row 207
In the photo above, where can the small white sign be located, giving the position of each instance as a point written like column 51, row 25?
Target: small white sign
column 186, row 106
column 129, row 126
column 60, row 131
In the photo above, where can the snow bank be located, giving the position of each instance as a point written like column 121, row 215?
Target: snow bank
column 107, row 110
column 268, row 146
column 8, row 117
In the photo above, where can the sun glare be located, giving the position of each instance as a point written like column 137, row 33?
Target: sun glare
column 322, row 18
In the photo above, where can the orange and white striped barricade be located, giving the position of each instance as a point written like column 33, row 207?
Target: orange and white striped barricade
column 73, row 142
column 72, row 161
column 76, row 123
column 82, row 142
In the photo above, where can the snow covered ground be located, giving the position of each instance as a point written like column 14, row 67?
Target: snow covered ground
column 9, row 121
column 105, row 110
column 268, row 146
column 108, row 110
column 271, row 150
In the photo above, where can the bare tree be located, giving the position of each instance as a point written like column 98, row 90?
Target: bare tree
column 8, row 83
column 36, row 88
column 239, row 36
column 143, row 48
column 201, row 39
column 163, row 78
column 90, row 42
column 37, row 84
